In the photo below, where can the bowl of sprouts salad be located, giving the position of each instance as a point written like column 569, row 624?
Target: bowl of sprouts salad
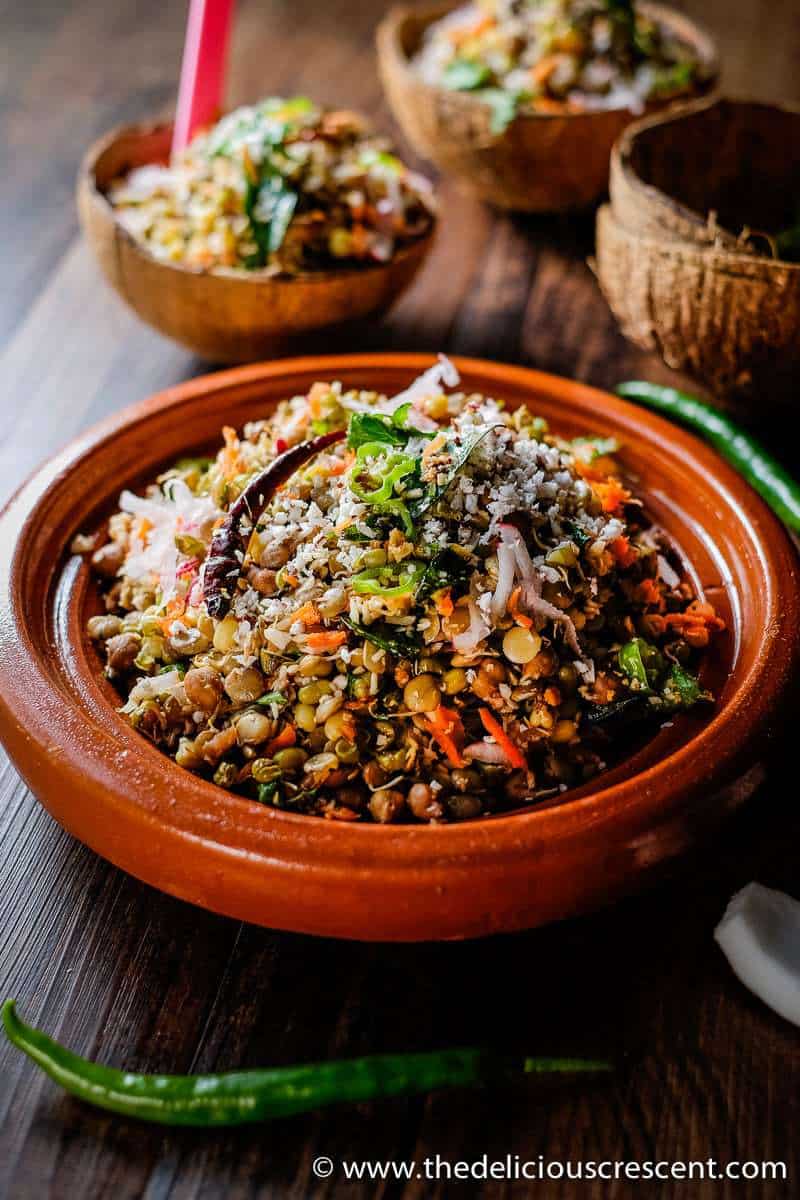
column 522, row 100
column 375, row 646
column 282, row 218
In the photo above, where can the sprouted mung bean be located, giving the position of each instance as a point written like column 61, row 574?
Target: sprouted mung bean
column 548, row 55
column 282, row 187
column 450, row 612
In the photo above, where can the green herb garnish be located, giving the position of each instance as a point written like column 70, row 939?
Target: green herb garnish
column 465, row 74
column 396, row 643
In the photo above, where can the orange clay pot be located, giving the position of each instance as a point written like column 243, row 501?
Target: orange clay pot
column 130, row 803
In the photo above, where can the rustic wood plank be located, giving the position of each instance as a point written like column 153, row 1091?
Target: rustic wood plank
column 136, row 978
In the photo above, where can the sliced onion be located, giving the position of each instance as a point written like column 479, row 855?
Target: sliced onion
column 671, row 578
column 477, row 630
column 760, row 937
column 429, row 383
column 505, row 579
column 532, row 588
column 488, row 752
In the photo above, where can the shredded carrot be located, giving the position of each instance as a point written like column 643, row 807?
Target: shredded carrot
column 292, row 580
column 495, row 729
column 444, row 602
column 462, row 33
column 607, row 487
column 287, row 737
column 315, row 397
column 340, row 465
column 649, row 593
column 544, row 68
column 446, row 728
column 308, row 613
column 348, row 726
column 521, row 618
column 325, row 640
column 174, row 609
column 611, row 494
column 230, row 461
column 142, row 528
column 698, row 613
column 623, row 551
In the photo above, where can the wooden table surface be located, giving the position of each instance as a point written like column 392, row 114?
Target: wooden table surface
column 136, row 978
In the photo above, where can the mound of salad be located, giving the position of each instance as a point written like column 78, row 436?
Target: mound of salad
column 545, row 55
column 424, row 608
column 282, row 187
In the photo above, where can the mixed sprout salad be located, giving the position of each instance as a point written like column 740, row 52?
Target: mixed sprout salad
column 282, row 187
column 547, row 54
column 433, row 609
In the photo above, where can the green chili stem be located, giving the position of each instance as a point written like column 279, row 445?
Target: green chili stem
column 774, row 484
column 239, row 1097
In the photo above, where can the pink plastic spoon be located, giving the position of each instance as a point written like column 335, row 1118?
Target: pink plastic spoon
column 205, row 54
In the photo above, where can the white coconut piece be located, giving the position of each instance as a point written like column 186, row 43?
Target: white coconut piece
column 760, row 937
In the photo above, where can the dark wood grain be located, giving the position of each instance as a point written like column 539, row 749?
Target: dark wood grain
column 138, row 979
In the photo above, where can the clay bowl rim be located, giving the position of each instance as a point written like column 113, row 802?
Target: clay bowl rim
column 729, row 732
column 88, row 186
column 390, row 45
column 726, row 247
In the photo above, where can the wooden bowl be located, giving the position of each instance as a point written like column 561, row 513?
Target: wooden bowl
column 721, row 310
column 543, row 162
column 664, row 182
column 224, row 315
column 120, row 795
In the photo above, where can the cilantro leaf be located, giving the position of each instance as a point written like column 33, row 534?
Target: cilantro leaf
column 370, row 427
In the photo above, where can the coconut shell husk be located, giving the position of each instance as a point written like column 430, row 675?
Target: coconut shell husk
column 223, row 315
column 543, row 162
column 731, row 319
column 705, row 172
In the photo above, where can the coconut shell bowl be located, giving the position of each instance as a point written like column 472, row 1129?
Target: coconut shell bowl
column 689, row 248
column 542, row 162
column 223, row 315
column 115, row 791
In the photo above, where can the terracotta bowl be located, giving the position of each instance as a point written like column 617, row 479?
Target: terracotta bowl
column 543, row 162
column 223, row 315
column 130, row 803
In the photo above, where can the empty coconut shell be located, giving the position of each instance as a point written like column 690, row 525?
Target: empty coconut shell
column 542, row 162
column 737, row 162
column 731, row 319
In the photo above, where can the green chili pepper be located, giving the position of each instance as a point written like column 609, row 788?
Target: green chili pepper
column 641, row 662
column 399, row 509
column 239, row 1097
column 388, row 470
column 682, row 690
column 397, row 579
column 751, row 460
column 630, row 661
